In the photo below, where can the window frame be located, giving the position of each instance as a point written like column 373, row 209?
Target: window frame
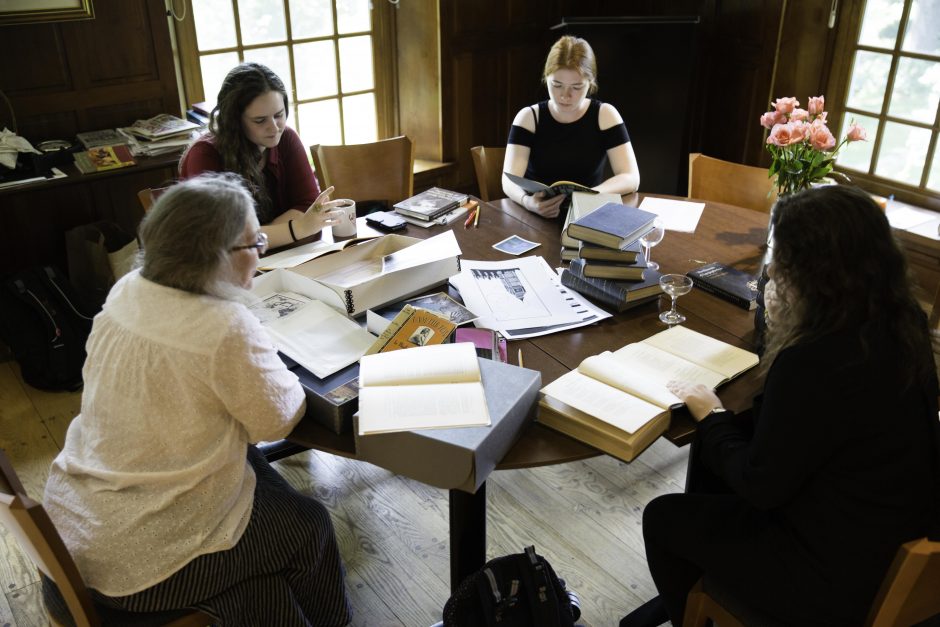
column 849, row 29
column 385, row 76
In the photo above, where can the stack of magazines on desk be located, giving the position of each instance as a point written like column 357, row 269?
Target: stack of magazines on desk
column 160, row 134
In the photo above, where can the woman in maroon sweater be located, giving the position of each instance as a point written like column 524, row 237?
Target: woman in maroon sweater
column 248, row 136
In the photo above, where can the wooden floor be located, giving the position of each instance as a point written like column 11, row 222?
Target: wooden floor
column 585, row 517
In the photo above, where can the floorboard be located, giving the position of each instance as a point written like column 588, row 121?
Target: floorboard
column 392, row 531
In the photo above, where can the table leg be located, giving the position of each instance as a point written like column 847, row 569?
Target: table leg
column 467, row 534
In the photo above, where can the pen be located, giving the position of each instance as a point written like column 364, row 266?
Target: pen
column 476, row 217
column 472, row 215
column 521, row 365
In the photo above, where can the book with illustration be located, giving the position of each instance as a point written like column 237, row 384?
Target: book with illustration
column 103, row 158
column 413, row 327
column 430, row 204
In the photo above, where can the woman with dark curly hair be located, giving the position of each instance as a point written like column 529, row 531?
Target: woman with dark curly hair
column 249, row 136
column 839, row 464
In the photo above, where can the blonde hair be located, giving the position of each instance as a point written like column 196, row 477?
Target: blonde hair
column 572, row 53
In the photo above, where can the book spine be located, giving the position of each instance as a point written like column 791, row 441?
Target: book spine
column 734, row 299
column 578, row 284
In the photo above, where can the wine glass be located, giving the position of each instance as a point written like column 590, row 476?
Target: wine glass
column 675, row 285
column 650, row 239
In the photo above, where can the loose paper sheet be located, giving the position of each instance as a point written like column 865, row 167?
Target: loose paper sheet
column 520, row 298
column 677, row 215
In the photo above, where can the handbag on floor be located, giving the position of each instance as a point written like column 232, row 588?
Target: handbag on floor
column 519, row 590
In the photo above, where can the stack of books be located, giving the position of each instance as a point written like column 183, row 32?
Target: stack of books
column 581, row 204
column 161, row 134
column 608, row 265
column 430, row 204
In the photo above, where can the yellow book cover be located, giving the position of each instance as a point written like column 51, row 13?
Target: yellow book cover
column 413, row 327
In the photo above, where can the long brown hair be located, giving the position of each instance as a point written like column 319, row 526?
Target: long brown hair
column 838, row 266
column 241, row 86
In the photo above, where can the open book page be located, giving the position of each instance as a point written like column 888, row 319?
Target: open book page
column 442, row 363
column 421, row 388
column 728, row 360
column 311, row 333
column 623, row 375
column 615, row 407
column 658, row 366
column 409, row 407
column 302, row 254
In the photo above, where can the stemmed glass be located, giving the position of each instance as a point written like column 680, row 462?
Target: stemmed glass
column 675, row 285
column 650, row 239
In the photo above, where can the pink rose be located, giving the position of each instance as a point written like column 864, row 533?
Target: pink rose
column 799, row 114
column 772, row 117
column 817, row 105
column 820, row 137
column 780, row 135
column 786, row 105
column 856, row 133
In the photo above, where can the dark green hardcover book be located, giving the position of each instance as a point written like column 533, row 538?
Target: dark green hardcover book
column 612, row 225
column 621, row 295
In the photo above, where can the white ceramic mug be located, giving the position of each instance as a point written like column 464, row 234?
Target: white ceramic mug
column 347, row 227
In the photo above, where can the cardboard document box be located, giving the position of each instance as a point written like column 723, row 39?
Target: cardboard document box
column 384, row 270
column 332, row 400
column 460, row 458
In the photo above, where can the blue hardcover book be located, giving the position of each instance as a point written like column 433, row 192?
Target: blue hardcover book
column 612, row 225
column 733, row 285
column 621, row 295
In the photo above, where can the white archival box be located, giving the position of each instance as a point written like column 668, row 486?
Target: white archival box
column 380, row 271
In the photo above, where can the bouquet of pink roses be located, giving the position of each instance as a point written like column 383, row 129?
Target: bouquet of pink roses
column 802, row 146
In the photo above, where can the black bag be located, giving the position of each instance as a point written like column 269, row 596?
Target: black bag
column 518, row 590
column 46, row 325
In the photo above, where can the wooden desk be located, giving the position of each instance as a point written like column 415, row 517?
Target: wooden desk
column 725, row 233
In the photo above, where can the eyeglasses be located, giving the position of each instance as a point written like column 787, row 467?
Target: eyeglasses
column 261, row 244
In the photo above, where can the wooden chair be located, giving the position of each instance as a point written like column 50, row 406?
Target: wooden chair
column 488, row 164
column 731, row 183
column 383, row 170
column 28, row 522
column 148, row 195
column 909, row 594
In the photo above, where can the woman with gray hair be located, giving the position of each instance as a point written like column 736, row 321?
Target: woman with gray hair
column 152, row 492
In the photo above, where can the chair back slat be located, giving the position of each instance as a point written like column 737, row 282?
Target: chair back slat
column 382, row 170
column 732, row 183
column 488, row 165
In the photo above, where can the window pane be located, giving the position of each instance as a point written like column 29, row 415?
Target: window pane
column 857, row 155
column 214, row 68
column 261, row 21
column 315, row 64
column 215, row 24
column 276, row 60
column 869, row 81
column 355, row 63
column 352, row 16
column 903, row 153
column 934, row 181
column 916, row 90
column 311, row 18
column 359, row 119
column 880, row 24
column 319, row 123
column 923, row 28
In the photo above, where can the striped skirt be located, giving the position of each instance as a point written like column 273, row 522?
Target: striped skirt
column 285, row 569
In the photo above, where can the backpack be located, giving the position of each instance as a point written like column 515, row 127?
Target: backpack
column 46, row 325
column 519, row 590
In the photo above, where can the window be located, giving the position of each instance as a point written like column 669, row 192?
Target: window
column 327, row 52
column 890, row 84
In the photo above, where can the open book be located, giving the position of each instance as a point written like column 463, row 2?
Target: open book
column 618, row 402
column 558, row 187
column 421, row 388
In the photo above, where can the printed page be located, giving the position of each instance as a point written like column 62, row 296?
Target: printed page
column 408, row 407
column 629, row 372
column 311, row 333
column 657, row 366
column 723, row 358
column 302, row 254
column 615, row 407
column 442, row 363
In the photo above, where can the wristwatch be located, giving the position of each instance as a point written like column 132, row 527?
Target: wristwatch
column 716, row 410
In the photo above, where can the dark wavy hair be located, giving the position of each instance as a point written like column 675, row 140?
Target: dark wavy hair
column 838, row 266
column 241, row 86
